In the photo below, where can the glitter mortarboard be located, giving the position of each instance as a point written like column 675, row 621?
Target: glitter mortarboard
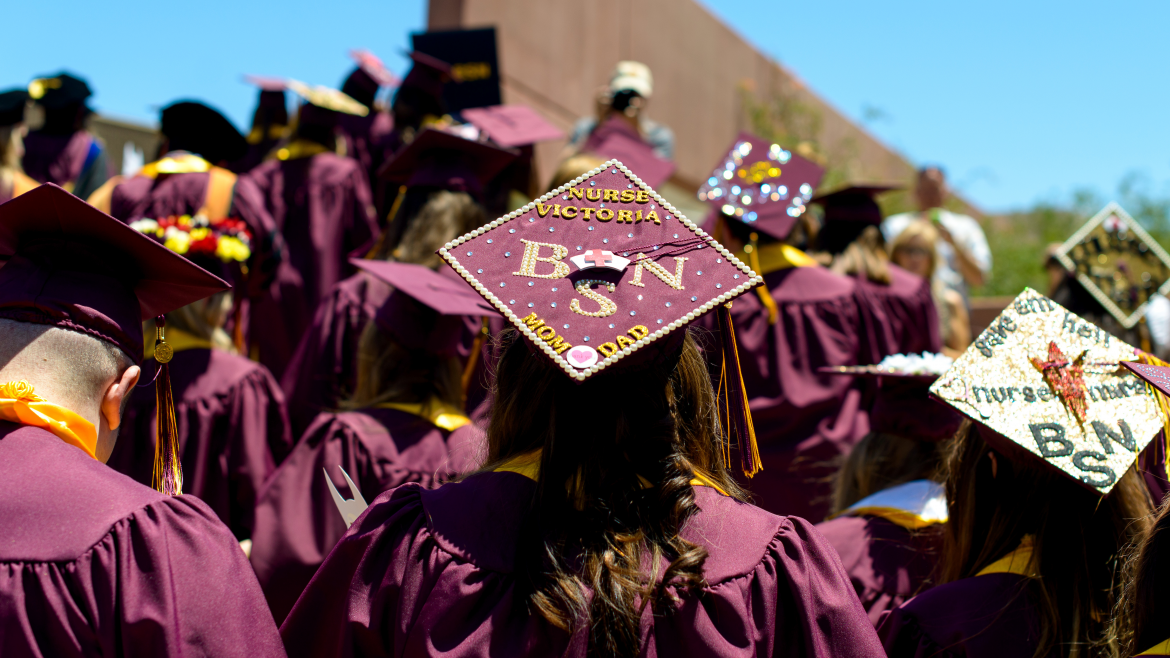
column 1120, row 264
column 512, row 125
column 762, row 185
column 1053, row 385
column 602, row 269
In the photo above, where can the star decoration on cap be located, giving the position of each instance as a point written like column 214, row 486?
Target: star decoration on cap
column 642, row 269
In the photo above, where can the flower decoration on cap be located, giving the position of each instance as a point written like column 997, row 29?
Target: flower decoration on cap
column 1051, row 385
column 1118, row 262
column 228, row 240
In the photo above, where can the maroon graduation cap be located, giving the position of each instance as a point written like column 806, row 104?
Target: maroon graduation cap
column 903, row 406
column 602, row 273
column 856, row 203
column 428, row 74
column 762, row 185
column 440, row 159
column 426, row 309
column 1158, row 376
column 266, row 83
column 373, row 66
column 512, row 125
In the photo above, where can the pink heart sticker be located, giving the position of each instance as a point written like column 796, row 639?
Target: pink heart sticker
column 582, row 356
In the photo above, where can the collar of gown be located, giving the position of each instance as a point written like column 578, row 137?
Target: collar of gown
column 440, row 414
column 20, row 404
column 911, row 505
column 775, row 256
column 528, row 465
column 176, row 162
column 1160, row 649
column 1018, row 561
column 299, row 148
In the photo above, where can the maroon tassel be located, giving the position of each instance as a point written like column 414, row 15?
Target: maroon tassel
column 733, row 401
column 168, row 471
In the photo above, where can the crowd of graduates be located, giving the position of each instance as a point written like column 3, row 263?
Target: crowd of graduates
column 358, row 383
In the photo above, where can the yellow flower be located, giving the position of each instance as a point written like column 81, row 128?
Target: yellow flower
column 20, row 390
column 185, row 220
column 178, row 241
column 198, row 234
column 229, row 249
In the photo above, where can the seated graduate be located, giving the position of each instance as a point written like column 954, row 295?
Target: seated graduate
column 605, row 521
column 442, row 176
column 407, row 424
column 95, row 563
column 1044, row 496
column 13, row 180
column 233, row 427
column 887, row 508
column 802, row 319
column 61, row 149
column 896, row 306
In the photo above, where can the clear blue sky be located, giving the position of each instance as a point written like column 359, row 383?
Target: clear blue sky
column 1019, row 101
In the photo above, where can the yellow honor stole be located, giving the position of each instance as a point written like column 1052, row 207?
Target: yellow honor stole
column 20, row 404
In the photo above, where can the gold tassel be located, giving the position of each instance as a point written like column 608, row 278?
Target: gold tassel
column 473, row 358
column 376, row 250
column 765, row 295
column 168, row 470
column 734, row 399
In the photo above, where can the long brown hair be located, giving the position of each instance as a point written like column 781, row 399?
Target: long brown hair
column 1079, row 537
column 426, row 219
column 865, row 256
column 880, row 461
column 388, row 371
column 618, row 454
column 1143, row 613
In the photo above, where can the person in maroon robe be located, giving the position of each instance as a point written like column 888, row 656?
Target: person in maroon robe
column 93, row 563
column 887, row 510
column 233, row 427
column 13, row 180
column 896, row 306
column 604, row 521
column 62, row 150
column 804, row 318
column 366, row 138
column 408, row 424
column 444, row 176
column 320, row 202
column 269, row 123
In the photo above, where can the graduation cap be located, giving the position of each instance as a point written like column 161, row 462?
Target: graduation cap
column 203, row 130
column 327, row 98
column 1051, row 386
column 603, row 273
column 762, row 185
column 363, row 83
column 1118, row 262
column 616, row 139
column 512, row 125
column 59, row 91
column 427, row 74
column 438, row 158
column 855, row 204
column 12, row 104
column 74, row 267
column 902, row 404
column 426, row 309
column 472, row 66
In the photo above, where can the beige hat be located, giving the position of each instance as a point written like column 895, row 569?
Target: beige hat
column 632, row 76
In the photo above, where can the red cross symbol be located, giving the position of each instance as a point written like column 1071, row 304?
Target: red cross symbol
column 597, row 257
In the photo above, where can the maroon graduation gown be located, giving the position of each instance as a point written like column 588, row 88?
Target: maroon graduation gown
column 321, row 205
column 990, row 616
column 886, row 563
column 184, row 194
column 233, row 431
column 430, row 573
column 95, row 564
column 804, row 420
column 899, row 318
column 297, row 522
column 76, row 161
column 323, row 370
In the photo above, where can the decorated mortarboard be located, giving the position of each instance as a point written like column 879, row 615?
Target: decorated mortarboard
column 762, row 185
column 12, row 104
column 617, row 140
column 603, row 273
column 1118, row 262
column 200, row 129
column 855, row 203
column 74, row 267
column 438, row 158
column 1052, row 385
column 512, row 125
column 327, row 98
column 58, row 91
column 902, row 404
column 426, row 309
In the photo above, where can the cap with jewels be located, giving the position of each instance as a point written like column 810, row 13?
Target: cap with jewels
column 1051, row 385
column 762, row 184
column 598, row 269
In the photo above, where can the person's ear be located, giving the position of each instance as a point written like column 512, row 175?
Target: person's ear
column 117, row 392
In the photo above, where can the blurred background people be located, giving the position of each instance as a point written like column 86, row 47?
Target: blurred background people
column 914, row 250
column 13, row 180
column 966, row 258
column 270, row 122
column 60, row 149
column 625, row 98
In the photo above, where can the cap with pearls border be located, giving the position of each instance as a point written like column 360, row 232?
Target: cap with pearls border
column 604, row 268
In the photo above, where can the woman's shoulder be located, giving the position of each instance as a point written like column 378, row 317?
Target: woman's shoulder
column 738, row 536
column 810, row 284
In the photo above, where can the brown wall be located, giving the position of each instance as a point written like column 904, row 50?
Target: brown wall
column 116, row 133
column 554, row 54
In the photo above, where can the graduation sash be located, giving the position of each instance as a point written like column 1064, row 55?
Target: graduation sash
column 912, row 505
column 20, row 404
